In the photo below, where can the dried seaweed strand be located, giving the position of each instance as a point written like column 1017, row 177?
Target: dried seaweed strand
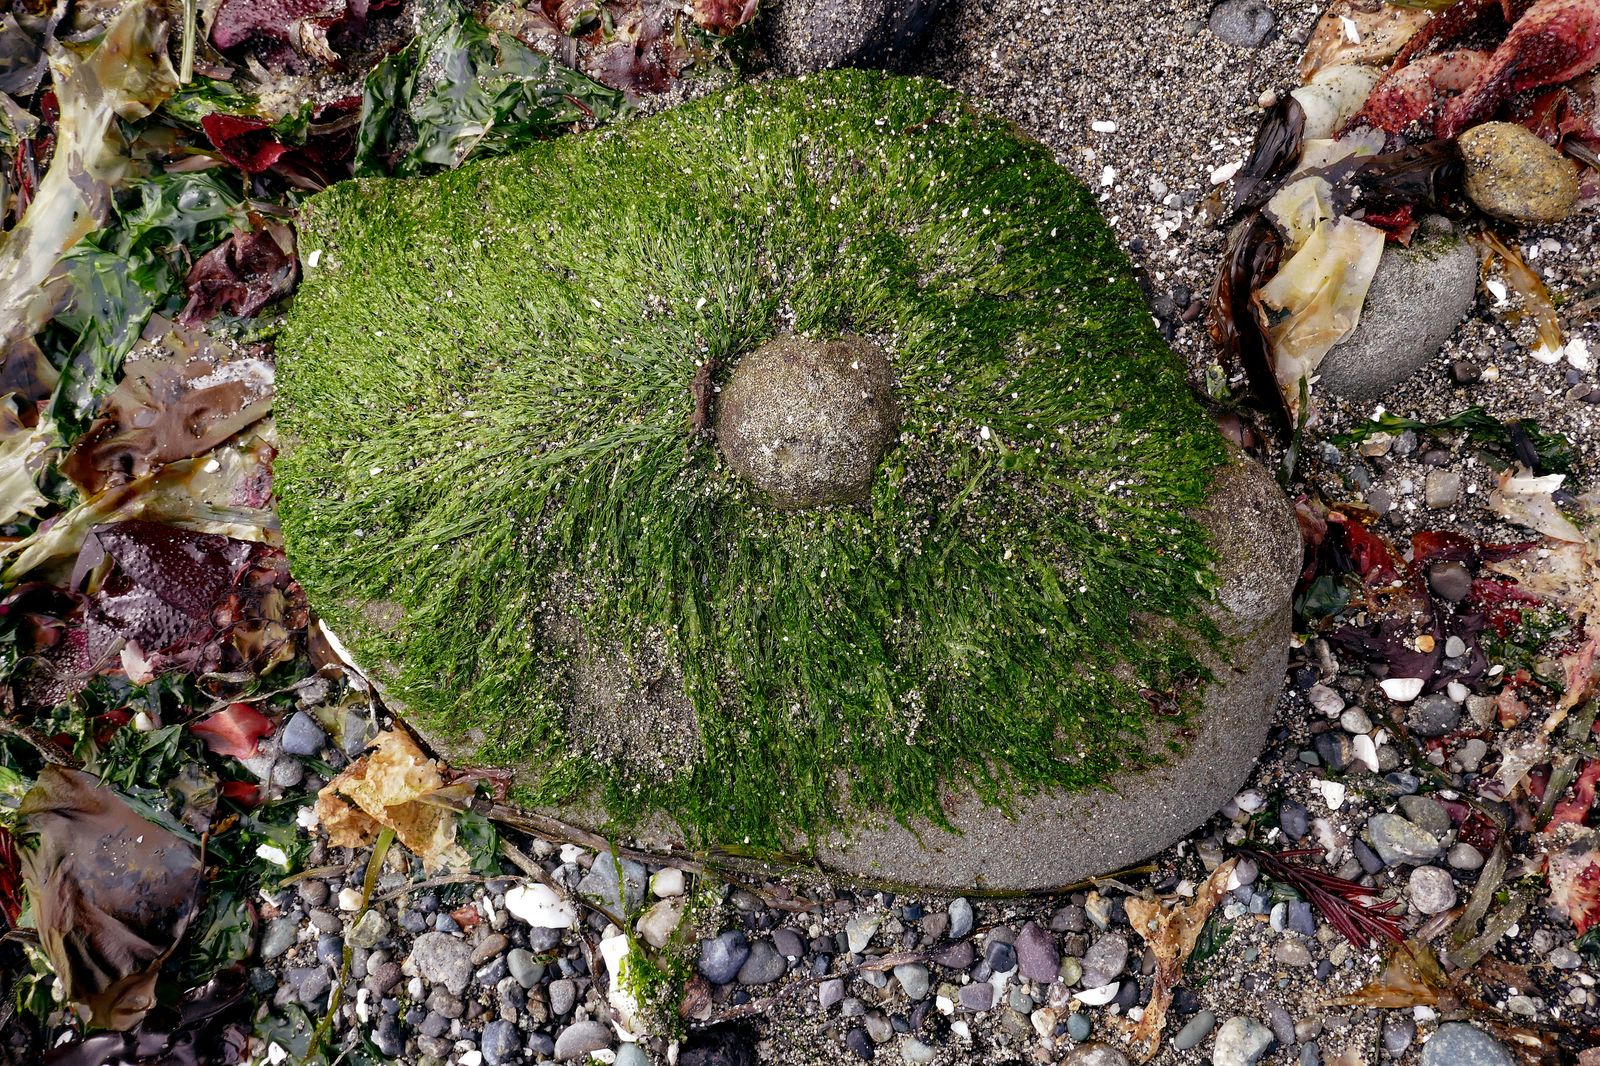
column 1482, row 895
column 1467, row 957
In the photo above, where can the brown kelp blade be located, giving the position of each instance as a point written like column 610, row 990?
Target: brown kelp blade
column 1254, row 249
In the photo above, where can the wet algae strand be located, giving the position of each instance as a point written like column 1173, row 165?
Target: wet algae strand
column 502, row 486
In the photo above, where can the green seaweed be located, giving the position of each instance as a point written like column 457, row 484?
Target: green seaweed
column 485, row 396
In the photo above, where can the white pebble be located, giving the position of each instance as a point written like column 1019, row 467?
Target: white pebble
column 349, row 899
column 541, row 907
column 1402, row 689
column 1578, row 354
column 273, row 854
column 667, row 882
column 1454, row 646
column 1366, row 752
column 1103, row 126
column 1224, row 174
column 1332, row 794
column 1457, row 691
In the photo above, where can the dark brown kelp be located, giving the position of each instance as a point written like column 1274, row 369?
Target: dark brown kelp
column 1254, row 251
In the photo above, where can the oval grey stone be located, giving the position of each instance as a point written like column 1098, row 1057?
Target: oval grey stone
column 1462, row 1044
column 1398, row 840
column 1418, row 297
column 577, row 1040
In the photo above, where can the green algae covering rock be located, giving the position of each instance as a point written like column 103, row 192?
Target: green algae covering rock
column 798, row 462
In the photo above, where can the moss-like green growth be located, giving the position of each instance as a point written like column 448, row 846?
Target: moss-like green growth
column 491, row 488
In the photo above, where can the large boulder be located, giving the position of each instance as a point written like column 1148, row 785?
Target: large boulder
column 829, row 491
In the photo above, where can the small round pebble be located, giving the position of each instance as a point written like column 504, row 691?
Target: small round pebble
column 302, row 735
column 1244, row 23
column 1240, row 1042
column 763, row 965
column 1104, row 960
column 1432, row 891
column 1398, row 1032
column 913, row 978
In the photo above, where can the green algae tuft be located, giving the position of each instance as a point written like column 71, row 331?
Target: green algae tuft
column 502, row 488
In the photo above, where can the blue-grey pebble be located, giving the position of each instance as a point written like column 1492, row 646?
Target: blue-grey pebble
column 1294, row 820
column 1281, row 1024
column 528, row 970
column 788, row 942
column 1197, row 1029
column 1244, row 23
column 501, row 1044
column 977, row 997
column 1464, row 1044
column 1001, row 957
column 1127, row 996
column 961, row 918
column 1398, row 1032
column 280, row 935
column 763, row 965
column 721, row 956
column 389, row 1038
column 302, row 735
column 631, row 1054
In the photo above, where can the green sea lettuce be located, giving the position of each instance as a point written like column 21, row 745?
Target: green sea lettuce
column 494, row 491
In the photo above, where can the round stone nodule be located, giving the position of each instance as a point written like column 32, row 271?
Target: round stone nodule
column 807, row 421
